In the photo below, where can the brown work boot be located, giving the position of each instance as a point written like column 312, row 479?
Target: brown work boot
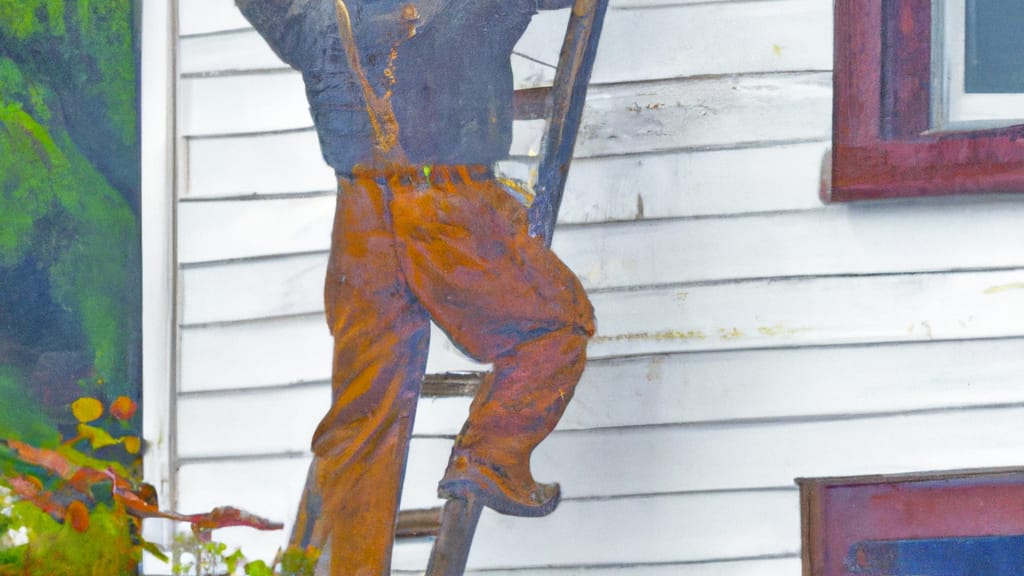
column 509, row 490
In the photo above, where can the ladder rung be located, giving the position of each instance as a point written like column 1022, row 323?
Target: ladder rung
column 531, row 103
column 418, row 523
column 451, row 384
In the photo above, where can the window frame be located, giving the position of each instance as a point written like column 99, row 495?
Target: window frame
column 883, row 144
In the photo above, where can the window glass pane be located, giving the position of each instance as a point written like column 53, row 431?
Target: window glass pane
column 994, row 46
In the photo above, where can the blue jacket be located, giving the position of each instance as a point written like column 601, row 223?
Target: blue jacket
column 452, row 94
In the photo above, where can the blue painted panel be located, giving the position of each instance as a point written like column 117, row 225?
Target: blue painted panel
column 972, row 556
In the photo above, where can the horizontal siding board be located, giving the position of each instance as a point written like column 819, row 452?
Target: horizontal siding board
column 207, row 16
column 279, row 421
column 742, row 456
column 761, row 567
column 688, row 389
column 835, row 240
column 257, row 164
column 751, row 455
column 739, row 456
column 809, row 312
column 253, row 289
column 229, row 230
column 659, row 529
column 661, row 185
column 241, row 50
column 669, row 528
column 830, row 241
column 270, row 422
column 782, row 35
column 249, row 103
column 680, row 184
column 746, row 315
column 674, row 41
column 668, row 460
column 619, row 119
column 277, row 351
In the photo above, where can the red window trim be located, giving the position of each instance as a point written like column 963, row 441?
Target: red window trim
column 881, row 147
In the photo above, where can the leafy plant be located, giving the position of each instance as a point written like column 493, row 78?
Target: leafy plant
column 195, row 555
column 74, row 510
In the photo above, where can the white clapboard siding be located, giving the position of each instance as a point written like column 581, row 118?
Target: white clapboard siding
column 786, row 566
column 229, row 52
column 672, row 40
column 737, row 456
column 228, row 230
column 715, row 458
column 208, row 16
column 290, row 350
column 745, row 315
column 672, row 184
column 666, row 460
column 694, row 183
column 700, row 388
column 619, row 119
column 809, row 312
column 782, row 35
column 642, row 530
column 659, row 528
column 831, row 241
column 258, row 164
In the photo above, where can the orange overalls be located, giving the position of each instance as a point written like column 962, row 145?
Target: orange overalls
column 454, row 249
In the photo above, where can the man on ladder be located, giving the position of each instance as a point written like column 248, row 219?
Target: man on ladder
column 412, row 102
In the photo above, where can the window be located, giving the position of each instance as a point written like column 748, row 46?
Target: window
column 978, row 72
column 906, row 118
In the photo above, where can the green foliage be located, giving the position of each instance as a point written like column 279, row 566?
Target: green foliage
column 198, row 557
column 107, row 546
column 26, row 18
column 293, row 562
column 20, row 418
column 193, row 555
column 69, row 167
column 57, row 549
column 55, row 203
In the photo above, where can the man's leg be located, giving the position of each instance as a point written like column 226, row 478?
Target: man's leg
column 381, row 335
column 504, row 298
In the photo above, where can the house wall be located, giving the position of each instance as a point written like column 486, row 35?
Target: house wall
column 747, row 334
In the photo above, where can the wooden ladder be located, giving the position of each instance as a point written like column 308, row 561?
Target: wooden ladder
column 564, row 113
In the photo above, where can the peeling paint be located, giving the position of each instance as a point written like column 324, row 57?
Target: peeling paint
column 927, row 329
column 780, row 330
column 1005, row 288
column 654, row 369
column 664, row 335
column 730, row 334
column 923, row 324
